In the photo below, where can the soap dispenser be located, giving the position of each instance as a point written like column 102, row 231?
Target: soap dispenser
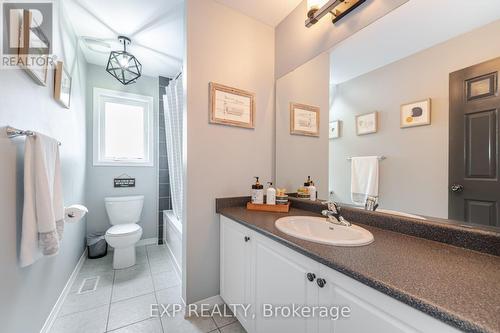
column 257, row 192
column 311, row 189
column 271, row 195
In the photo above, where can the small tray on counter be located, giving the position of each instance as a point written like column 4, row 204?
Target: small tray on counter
column 269, row 208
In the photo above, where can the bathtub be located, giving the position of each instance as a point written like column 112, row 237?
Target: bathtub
column 172, row 234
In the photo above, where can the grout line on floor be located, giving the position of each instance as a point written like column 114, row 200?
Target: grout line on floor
column 236, row 320
column 215, row 323
column 140, row 321
column 110, row 298
column 154, row 288
column 175, row 285
column 130, row 297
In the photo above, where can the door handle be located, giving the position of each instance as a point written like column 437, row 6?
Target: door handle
column 321, row 282
column 457, row 188
column 311, row 276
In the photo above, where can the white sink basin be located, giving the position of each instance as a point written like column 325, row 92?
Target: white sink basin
column 318, row 230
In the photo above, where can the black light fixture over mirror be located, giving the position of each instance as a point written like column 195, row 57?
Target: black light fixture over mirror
column 316, row 9
column 123, row 65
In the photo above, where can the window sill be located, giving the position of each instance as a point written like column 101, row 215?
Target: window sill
column 123, row 164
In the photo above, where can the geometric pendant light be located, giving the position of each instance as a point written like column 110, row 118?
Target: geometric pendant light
column 123, row 65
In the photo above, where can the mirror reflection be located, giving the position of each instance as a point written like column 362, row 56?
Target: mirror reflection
column 413, row 134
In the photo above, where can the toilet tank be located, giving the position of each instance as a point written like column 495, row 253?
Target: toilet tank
column 123, row 210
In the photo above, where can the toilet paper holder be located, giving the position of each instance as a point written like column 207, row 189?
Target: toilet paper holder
column 74, row 213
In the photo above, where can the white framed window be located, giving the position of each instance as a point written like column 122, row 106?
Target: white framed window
column 123, row 129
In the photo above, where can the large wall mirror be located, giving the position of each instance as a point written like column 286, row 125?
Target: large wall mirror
column 410, row 123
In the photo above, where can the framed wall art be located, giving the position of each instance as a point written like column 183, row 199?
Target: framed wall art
column 62, row 85
column 33, row 45
column 416, row 114
column 367, row 123
column 304, row 119
column 231, row 106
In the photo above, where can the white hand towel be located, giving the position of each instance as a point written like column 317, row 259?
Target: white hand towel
column 43, row 210
column 364, row 178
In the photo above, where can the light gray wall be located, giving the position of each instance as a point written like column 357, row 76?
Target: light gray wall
column 100, row 178
column 27, row 295
column 296, row 44
column 414, row 177
column 297, row 155
column 230, row 48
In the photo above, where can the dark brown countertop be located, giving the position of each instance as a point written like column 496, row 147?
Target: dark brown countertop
column 458, row 286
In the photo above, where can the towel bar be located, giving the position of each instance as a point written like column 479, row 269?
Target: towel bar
column 14, row 132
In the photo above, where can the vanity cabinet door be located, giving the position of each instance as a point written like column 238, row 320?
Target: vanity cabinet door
column 363, row 316
column 235, row 262
column 281, row 280
column 370, row 310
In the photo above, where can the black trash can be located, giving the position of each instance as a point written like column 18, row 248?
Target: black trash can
column 96, row 245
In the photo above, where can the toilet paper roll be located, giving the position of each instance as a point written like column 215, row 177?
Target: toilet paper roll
column 74, row 213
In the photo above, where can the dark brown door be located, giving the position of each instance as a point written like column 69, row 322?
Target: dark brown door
column 474, row 148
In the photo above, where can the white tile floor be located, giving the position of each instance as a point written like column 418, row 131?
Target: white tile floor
column 122, row 300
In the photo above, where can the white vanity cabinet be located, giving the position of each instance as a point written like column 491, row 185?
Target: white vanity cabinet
column 236, row 273
column 257, row 270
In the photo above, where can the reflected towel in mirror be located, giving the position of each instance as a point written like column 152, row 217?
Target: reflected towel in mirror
column 364, row 178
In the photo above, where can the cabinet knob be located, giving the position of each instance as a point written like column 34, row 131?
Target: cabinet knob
column 321, row 282
column 247, row 238
column 311, row 276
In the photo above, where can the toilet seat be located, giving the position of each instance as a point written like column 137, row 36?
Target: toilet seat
column 121, row 230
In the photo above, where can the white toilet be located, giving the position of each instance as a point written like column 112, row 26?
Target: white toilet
column 124, row 213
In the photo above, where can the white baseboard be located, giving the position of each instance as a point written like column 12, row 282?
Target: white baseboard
column 147, row 241
column 55, row 309
column 211, row 301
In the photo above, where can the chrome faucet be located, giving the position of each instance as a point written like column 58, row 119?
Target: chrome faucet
column 333, row 214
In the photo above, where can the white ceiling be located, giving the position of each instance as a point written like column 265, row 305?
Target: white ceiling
column 156, row 28
column 271, row 12
column 413, row 27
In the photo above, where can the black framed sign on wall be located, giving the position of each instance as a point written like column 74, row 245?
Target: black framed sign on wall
column 124, row 181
